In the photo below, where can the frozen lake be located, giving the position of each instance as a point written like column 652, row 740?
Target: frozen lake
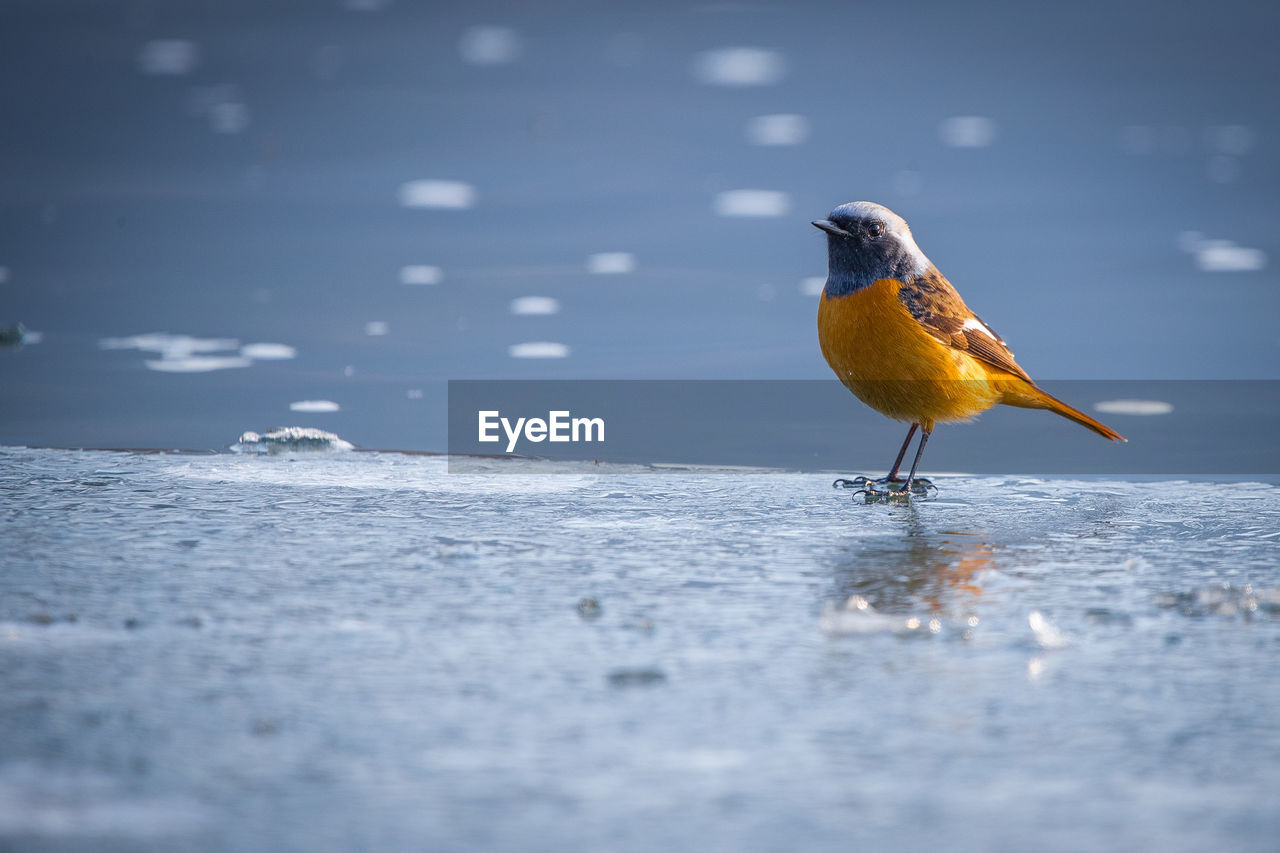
column 363, row 651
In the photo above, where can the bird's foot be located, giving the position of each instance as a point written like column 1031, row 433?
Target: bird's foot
column 885, row 489
column 866, row 482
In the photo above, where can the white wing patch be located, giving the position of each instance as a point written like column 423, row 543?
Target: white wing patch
column 973, row 324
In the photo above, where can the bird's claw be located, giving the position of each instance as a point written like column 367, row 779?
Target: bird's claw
column 864, row 482
column 920, row 488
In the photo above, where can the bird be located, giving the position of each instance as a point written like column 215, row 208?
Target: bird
column 898, row 335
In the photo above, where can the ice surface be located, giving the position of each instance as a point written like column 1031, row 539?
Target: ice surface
column 331, row 651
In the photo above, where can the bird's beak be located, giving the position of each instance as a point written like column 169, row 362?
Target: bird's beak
column 830, row 227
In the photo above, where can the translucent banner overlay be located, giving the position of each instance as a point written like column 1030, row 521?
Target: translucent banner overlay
column 1173, row 427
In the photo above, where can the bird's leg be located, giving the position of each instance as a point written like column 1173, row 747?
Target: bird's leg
column 866, row 482
column 897, row 463
column 922, row 486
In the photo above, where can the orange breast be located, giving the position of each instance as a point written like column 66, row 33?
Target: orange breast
column 892, row 364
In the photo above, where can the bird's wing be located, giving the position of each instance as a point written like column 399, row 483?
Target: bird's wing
column 936, row 306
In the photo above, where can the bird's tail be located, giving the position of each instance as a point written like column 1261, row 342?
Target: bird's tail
column 1031, row 397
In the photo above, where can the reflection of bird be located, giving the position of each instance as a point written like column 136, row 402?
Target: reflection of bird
column 899, row 336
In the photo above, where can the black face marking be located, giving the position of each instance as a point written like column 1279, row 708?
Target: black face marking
column 868, row 254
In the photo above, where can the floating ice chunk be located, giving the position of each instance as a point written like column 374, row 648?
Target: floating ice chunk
column 538, row 349
column 1047, row 634
column 168, row 57
column 376, row 328
column 535, row 305
column 229, row 117
column 611, row 263
column 314, row 406
column 780, row 129
column 813, row 285
column 414, row 393
column 1226, row 256
column 752, row 203
column 170, row 346
column 197, row 363
column 268, row 352
column 290, row 439
column 968, row 132
column 421, row 274
column 487, row 45
column 739, row 66
column 455, row 195
column 181, row 353
column 1133, row 407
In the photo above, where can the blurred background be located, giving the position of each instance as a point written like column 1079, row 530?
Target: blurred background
column 233, row 215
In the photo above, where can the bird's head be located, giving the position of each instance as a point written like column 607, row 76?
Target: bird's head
column 865, row 243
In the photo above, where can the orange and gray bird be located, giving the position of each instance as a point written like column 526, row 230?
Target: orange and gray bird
column 899, row 336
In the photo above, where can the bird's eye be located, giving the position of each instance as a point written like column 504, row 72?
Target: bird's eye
column 875, row 229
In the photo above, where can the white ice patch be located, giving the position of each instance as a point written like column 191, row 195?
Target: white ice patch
column 168, row 57
column 449, row 195
column 182, row 353
column 535, row 305
column 781, row 129
column 314, row 406
column 1220, row 255
column 611, row 263
column 489, row 45
column 170, row 346
column 376, row 328
column 538, row 349
column 268, row 352
column 739, row 66
column 1133, row 407
column 187, row 354
column 967, row 132
column 290, row 439
column 1225, row 256
column 421, row 274
column 197, row 363
column 752, row 203
column 813, row 285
